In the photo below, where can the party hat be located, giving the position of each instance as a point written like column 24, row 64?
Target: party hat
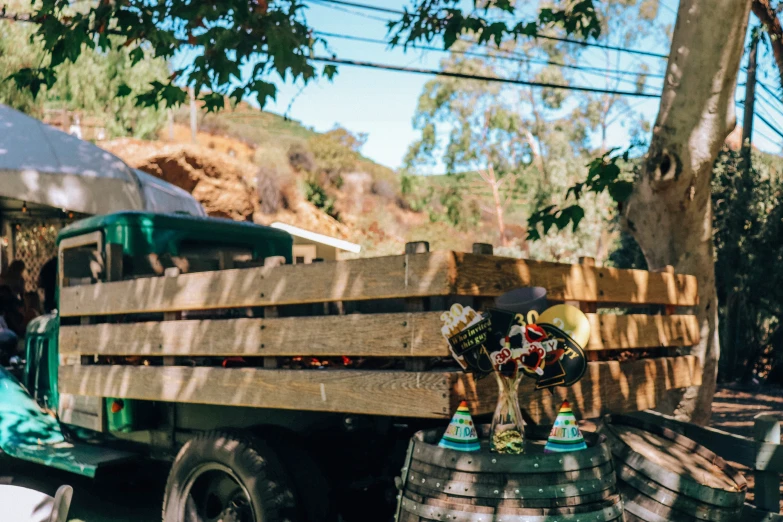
column 565, row 435
column 461, row 433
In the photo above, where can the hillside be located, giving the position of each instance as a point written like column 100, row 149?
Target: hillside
column 252, row 165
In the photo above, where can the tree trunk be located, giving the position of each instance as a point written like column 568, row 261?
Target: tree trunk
column 670, row 212
column 494, row 183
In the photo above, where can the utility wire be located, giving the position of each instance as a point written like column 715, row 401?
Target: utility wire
column 771, row 105
column 769, row 90
column 463, row 76
column 771, row 126
column 542, row 36
column 507, row 55
column 768, row 138
column 351, row 11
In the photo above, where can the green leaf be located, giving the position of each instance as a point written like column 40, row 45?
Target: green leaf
column 620, row 190
column 329, row 71
column 264, row 90
column 136, row 55
column 123, row 90
column 212, row 101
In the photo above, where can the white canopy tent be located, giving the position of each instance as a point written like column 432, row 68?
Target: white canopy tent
column 42, row 165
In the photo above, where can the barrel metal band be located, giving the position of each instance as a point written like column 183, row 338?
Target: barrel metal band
column 529, row 464
column 474, row 489
column 436, row 513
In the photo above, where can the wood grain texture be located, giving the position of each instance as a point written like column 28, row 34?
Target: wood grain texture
column 380, row 335
column 428, row 274
column 763, row 456
column 373, row 335
column 356, row 279
column 393, row 393
column 607, row 387
column 616, row 332
column 491, row 275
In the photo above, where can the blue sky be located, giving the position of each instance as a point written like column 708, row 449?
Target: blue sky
column 382, row 103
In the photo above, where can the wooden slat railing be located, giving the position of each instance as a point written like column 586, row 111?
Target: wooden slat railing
column 419, row 275
column 420, row 279
column 368, row 335
column 608, row 387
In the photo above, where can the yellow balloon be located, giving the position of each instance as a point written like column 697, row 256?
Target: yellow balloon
column 570, row 319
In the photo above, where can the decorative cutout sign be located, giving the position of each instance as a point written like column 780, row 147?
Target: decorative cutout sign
column 508, row 342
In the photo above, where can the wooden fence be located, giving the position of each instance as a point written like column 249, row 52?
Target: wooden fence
column 143, row 338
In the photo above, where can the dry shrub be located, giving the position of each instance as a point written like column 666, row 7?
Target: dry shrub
column 275, row 180
column 301, row 158
column 384, row 189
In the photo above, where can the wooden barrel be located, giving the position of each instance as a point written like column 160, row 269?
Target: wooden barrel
column 663, row 476
column 447, row 485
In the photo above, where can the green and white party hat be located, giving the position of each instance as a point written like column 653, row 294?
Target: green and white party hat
column 461, row 434
column 565, row 435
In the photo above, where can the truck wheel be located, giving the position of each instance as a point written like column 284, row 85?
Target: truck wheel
column 228, row 476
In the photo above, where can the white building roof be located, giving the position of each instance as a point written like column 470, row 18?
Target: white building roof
column 318, row 238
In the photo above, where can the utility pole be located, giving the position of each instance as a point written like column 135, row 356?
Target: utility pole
column 750, row 97
column 193, row 121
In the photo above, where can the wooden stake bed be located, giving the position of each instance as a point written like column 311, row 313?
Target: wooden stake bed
column 376, row 309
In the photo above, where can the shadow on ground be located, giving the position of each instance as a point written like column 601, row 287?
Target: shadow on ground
column 122, row 494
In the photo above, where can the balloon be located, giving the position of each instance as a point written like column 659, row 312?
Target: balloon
column 569, row 319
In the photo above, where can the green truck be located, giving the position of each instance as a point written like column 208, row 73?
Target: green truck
column 286, row 391
column 229, row 462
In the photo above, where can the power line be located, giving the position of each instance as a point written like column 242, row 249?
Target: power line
column 537, row 35
column 764, row 120
column 770, row 125
column 507, row 55
column 771, row 105
column 351, row 11
column 768, row 90
column 768, row 138
column 432, row 72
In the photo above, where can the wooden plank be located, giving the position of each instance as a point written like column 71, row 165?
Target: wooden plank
column 489, row 275
column 393, row 393
column 419, row 275
column 751, row 513
column 766, row 428
column 615, row 332
column 381, row 335
column 356, row 279
column 730, row 446
column 607, row 387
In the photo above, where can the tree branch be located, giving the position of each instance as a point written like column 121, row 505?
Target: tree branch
column 767, row 15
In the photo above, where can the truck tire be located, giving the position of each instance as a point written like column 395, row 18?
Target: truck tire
column 313, row 491
column 228, row 476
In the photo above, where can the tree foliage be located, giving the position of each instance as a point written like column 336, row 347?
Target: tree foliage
column 88, row 86
column 239, row 46
column 446, row 19
column 542, row 137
